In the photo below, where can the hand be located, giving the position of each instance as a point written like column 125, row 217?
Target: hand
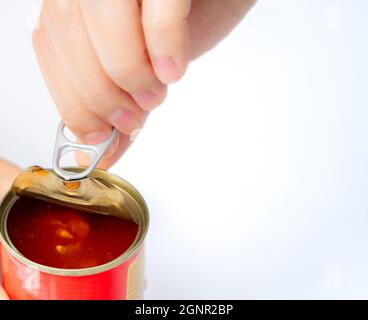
column 3, row 295
column 8, row 173
column 107, row 62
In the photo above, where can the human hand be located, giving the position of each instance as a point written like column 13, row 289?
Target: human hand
column 107, row 62
column 3, row 295
column 8, row 172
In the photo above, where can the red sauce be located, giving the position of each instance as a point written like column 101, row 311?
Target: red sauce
column 62, row 237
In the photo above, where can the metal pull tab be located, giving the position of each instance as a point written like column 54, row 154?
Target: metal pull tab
column 64, row 146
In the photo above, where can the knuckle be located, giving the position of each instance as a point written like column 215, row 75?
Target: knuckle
column 157, row 23
column 92, row 95
column 125, row 70
column 159, row 29
column 168, row 16
column 97, row 94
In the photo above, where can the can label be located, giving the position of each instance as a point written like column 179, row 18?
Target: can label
column 135, row 284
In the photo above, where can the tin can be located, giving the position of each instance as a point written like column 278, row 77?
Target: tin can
column 101, row 192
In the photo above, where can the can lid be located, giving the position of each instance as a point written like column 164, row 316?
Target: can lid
column 101, row 193
column 63, row 146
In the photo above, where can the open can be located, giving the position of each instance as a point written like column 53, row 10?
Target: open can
column 102, row 192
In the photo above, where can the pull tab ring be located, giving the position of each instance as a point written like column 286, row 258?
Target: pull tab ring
column 64, row 146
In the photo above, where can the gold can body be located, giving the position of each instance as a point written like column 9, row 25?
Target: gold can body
column 101, row 193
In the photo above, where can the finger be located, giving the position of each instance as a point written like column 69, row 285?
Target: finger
column 124, row 142
column 115, row 30
column 3, row 295
column 166, row 33
column 65, row 26
column 8, row 173
column 86, row 125
column 212, row 20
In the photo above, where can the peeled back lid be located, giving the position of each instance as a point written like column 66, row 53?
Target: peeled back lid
column 101, row 192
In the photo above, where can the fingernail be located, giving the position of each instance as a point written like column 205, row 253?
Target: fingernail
column 166, row 70
column 151, row 98
column 125, row 121
column 146, row 99
column 95, row 137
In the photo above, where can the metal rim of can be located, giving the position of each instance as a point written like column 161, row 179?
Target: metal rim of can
column 10, row 199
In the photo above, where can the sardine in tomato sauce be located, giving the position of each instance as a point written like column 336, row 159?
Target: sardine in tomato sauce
column 62, row 237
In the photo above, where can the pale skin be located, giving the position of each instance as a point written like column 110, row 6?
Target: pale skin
column 8, row 172
column 108, row 63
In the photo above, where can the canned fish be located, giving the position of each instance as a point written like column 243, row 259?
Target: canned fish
column 59, row 239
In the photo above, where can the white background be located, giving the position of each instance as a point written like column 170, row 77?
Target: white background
column 255, row 169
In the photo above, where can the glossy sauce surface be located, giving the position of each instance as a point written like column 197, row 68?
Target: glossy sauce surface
column 62, row 237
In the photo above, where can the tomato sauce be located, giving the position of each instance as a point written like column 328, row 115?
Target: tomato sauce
column 62, row 237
